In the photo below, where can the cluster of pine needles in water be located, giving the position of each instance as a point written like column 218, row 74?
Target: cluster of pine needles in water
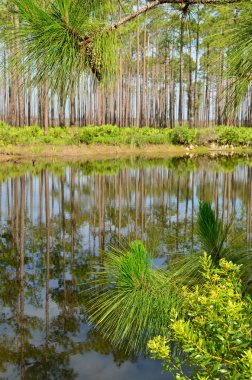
column 129, row 298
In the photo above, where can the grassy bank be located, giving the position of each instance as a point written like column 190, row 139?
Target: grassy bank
column 133, row 137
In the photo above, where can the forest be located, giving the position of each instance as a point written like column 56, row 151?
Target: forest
column 178, row 63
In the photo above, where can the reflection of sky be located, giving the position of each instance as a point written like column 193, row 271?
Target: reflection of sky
column 99, row 367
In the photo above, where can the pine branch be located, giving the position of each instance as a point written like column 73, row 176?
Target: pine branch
column 156, row 3
column 86, row 42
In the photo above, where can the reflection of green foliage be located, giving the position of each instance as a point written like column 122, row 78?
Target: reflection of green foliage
column 213, row 331
column 180, row 165
column 97, row 342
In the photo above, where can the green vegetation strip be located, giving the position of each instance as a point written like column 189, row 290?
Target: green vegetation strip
column 135, row 137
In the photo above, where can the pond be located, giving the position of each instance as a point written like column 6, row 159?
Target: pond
column 58, row 220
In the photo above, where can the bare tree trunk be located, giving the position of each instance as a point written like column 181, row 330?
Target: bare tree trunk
column 21, row 109
column 45, row 106
column 190, row 95
column 138, row 105
column 52, row 110
column 196, row 108
column 72, row 104
column 181, row 78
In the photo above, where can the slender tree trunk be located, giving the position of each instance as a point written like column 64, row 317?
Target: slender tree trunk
column 196, row 108
column 21, row 107
column 181, row 77
column 72, row 104
column 138, row 105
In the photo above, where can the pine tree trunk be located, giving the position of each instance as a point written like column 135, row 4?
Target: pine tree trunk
column 181, row 78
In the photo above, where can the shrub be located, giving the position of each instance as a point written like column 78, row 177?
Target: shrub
column 234, row 136
column 184, row 136
column 85, row 135
column 214, row 331
column 230, row 136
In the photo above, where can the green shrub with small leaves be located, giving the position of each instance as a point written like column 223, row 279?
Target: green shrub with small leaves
column 134, row 137
column 234, row 136
column 184, row 136
column 213, row 333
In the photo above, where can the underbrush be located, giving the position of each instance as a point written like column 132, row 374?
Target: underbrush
column 134, row 137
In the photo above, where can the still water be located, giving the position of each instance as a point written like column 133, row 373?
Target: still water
column 58, row 220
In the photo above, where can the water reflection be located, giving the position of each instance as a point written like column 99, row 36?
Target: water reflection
column 57, row 220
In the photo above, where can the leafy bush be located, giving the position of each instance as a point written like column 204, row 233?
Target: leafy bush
column 214, row 330
column 230, row 136
column 85, row 136
column 184, row 136
column 234, row 136
column 112, row 135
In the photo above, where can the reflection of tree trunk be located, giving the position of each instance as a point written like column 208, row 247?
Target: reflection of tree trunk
column 187, row 201
column 16, row 213
column 136, row 204
column 192, row 210
column 22, row 275
column 53, row 196
column 217, row 195
column 120, row 207
column 31, row 211
column 63, row 236
column 103, row 211
column 177, row 227
column 73, row 222
column 142, row 204
column 224, row 196
column 47, row 210
column 128, row 195
column 8, row 199
column 40, row 197
column 229, row 198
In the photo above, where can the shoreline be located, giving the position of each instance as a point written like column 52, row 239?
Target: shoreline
column 99, row 152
